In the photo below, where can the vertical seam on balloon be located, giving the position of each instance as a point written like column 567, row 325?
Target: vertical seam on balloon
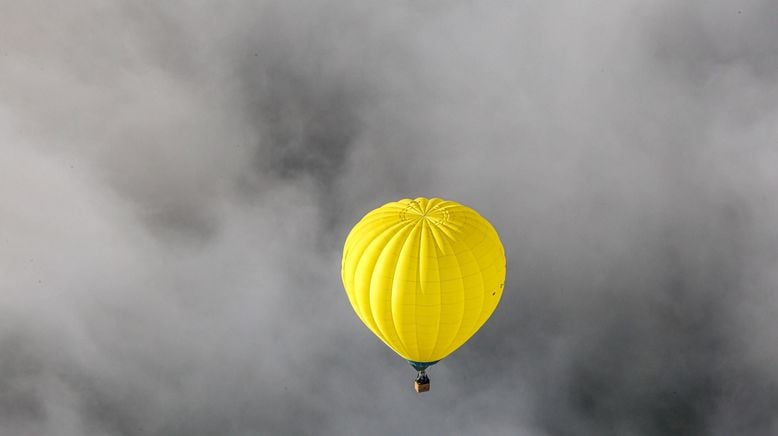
column 462, row 282
column 359, row 263
column 419, row 288
column 385, row 331
column 434, row 229
column 483, row 287
column 428, row 226
column 467, row 221
column 392, row 294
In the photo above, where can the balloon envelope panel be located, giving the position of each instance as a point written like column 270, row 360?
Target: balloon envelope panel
column 423, row 275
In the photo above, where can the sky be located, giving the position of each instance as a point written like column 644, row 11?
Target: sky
column 177, row 180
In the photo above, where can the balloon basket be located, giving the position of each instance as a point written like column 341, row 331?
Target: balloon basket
column 422, row 382
column 421, row 387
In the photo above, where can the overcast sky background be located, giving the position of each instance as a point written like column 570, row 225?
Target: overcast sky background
column 177, row 180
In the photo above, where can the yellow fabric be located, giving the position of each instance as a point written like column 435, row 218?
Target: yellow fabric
column 423, row 275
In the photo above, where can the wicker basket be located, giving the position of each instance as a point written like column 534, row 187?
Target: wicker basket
column 421, row 387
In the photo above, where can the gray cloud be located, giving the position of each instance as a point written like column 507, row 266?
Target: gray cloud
column 178, row 181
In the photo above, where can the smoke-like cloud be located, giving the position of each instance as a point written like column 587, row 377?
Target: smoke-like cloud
column 177, row 181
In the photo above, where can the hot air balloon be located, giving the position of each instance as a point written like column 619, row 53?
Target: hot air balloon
column 423, row 275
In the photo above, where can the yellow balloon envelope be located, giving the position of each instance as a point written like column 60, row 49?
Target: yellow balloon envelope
column 423, row 275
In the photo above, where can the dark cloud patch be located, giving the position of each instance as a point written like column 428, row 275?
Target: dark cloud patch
column 20, row 368
column 312, row 81
column 309, row 126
